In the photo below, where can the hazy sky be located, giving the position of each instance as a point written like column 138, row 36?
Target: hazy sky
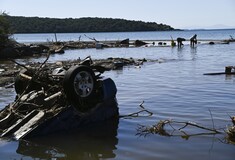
column 178, row 14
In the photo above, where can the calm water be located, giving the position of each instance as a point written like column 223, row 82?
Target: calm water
column 174, row 89
column 202, row 34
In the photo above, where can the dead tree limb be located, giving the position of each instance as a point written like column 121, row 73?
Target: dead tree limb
column 159, row 128
column 196, row 125
column 137, row 114
column 13, row 107
column 93, row 39
column 19, row 64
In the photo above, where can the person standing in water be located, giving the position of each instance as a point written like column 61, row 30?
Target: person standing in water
column 180, row 41
column 193, row 40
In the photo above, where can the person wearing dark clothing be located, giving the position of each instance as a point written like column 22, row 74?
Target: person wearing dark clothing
column 180, row 41
column 193, row 40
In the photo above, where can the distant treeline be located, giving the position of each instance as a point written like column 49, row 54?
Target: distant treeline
column 70, row 25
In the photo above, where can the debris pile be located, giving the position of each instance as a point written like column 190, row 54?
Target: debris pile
column 8, row 72
column 53, row 98
column 231, row 130
column 176, row 128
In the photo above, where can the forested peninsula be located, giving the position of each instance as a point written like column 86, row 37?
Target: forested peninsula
column 21, row 24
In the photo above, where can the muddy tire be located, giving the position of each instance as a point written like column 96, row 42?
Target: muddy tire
column 80, row 86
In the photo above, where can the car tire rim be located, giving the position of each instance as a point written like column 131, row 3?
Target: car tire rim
column 83, row 84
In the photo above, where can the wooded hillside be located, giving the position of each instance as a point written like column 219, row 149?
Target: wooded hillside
column 70, row 25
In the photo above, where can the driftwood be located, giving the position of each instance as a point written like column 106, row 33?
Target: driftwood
column 229, row 70
column 40, row 90
column 142, row 113
column 50, row 93
column 160, row 127
column 93, row 39
column 10, row 71
column 27, row 102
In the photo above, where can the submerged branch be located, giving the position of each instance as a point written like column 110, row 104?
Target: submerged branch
column 137, row 114
column 196, row 125
column 155, row 129
column 159, row 128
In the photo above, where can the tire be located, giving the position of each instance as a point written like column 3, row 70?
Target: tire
column 80, row 86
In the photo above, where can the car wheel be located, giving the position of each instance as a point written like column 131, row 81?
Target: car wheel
column 79, row 85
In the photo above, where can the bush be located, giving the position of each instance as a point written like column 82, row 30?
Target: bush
column 4, row 30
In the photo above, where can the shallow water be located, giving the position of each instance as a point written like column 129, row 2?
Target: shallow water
column 174, row 89
column 166, row 35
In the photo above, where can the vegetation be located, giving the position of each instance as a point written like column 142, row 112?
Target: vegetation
column 4, row 30
column 70, row 25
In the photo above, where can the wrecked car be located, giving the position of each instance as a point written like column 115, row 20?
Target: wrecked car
column 51, row 100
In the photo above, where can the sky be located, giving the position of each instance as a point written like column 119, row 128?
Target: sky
column 181, row 14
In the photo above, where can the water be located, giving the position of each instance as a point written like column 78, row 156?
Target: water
column 174, row 89
column 201, row 34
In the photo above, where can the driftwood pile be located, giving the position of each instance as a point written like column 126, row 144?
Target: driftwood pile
column 37, row 87
column 36, row 90
column 19, row 50
column 43, row 90
column 160, row 128
column 231, row 130
column 9, row 71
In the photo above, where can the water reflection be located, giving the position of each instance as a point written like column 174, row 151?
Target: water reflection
column 229, row 77
column 193, row 51
column 96, row 141
column 180, row 52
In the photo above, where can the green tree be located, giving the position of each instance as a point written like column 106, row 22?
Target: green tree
column 4, row 30
column 70, row 25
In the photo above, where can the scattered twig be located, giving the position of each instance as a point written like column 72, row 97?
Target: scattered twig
column 137, row 114
column 233, row 119
column 159, row 128
column 19, row 64
column 79, row 38
column 91, row 38
column 196, row 125
column 154, row 129
column 32, row 79
column 187, row 136
column 231, row 37
column 141, row 105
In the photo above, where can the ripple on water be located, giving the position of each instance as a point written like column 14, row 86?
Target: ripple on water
column 175, row 89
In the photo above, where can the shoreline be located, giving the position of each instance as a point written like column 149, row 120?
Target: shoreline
column 21, row 50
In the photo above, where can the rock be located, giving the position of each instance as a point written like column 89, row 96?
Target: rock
column 140, row 43
column 211, row 43
column 59, row 63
